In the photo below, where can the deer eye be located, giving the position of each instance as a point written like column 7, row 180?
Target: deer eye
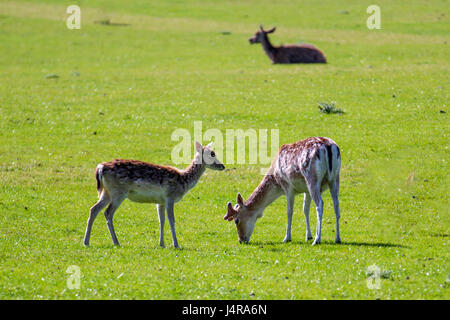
column 213, row 154
column 236, row 221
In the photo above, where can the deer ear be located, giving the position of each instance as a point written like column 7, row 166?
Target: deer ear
column 261, row 28
column 239, row 200
column 271, row 30
column 198, row 146
column 230, row 212
column 209, row 145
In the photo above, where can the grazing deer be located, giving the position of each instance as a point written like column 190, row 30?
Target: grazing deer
column 291, row 53
column 309, row 166
column 147, row 183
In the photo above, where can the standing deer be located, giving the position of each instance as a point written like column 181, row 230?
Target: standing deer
column 309, row 166
column 291, row 53
column 147, row 183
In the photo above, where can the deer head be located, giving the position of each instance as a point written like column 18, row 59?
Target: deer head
column 206, row 156
column 260, row 35
column 243, row 217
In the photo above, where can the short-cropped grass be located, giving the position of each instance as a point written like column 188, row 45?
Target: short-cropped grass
column 70, row 99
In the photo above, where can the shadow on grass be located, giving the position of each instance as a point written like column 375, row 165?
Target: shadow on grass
column 373, row 244
column 108, row 22
column 344, row 243
column 134, row 247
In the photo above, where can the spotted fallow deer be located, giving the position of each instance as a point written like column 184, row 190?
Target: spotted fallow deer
column 291, row 53
column 309, row 166
column 147, row 183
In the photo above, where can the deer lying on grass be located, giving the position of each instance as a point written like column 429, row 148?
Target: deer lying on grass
column 309, row 166
column 291, row 53
column 149, row 183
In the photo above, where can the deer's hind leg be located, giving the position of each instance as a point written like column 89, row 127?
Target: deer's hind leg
column 96, row 208
column 315, row 193
column 334, row 190
column 116, row 201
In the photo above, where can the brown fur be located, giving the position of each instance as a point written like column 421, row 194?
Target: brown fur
column 302, row 53
column 134, row 169
column 145, row 182
column 260, row 192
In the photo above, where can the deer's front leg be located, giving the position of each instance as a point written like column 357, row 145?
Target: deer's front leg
column 290, row 210
column 162, row 220
column 171, row 217
column 306, row 207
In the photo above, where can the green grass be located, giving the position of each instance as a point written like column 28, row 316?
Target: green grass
column 122, row 90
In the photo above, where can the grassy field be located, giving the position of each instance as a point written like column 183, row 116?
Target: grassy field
column 70, row 99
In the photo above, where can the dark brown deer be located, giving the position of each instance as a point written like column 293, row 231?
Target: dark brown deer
column 291, row 53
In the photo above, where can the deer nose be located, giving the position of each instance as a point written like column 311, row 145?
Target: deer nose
column 244, row 240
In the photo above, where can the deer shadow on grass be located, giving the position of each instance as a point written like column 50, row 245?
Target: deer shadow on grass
column 372, row 244
column 327, row 242
column 108, row 22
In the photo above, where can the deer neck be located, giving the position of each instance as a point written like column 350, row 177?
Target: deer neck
column 269, row 49
column 266, row 193
column 193, row 172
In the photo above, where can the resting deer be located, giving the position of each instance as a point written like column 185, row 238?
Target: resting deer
column 291, row 53
column 309, row 166
column 149, row 183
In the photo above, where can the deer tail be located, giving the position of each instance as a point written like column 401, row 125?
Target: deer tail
column 334, row 161
column 99, row 177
